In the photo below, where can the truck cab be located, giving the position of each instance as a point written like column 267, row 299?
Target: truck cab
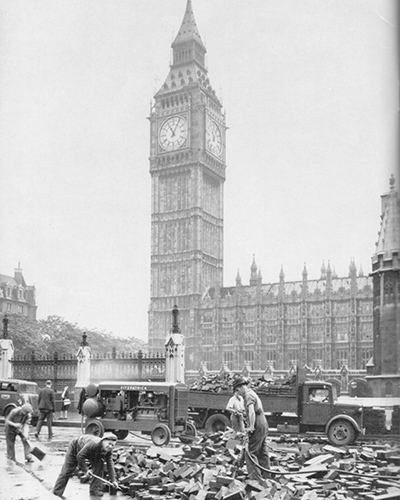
column 156, row 408
column 320, row 411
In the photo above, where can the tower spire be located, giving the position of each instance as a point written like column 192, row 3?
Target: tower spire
column 188, row 45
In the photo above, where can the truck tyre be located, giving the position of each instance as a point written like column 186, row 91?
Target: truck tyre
column 161, row 435
column 121, row 433
column 341, row 433
column 217, row 422
column 190, row 431
column 94, row 427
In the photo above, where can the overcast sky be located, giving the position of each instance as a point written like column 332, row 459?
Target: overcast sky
column 310, row 93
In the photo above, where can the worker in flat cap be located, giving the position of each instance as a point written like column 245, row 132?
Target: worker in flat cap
column 257, row 430
column 83, row 450
column 17, row 424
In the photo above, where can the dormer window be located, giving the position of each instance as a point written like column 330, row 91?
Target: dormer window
column 20, row 294
column 8, row 291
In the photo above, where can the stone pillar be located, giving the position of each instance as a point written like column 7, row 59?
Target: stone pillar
column 6, row 352
column 175, row 352
column 344, row 378
column 83, row 356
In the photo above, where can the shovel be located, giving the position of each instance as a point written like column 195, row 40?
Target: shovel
column 108, row 483
column 34, row 450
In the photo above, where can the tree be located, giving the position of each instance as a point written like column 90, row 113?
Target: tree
column 55, row 334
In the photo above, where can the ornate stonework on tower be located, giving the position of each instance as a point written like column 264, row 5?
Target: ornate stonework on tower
column 187, row 167
column 385, row 367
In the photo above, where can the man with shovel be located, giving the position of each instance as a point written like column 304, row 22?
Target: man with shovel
column 93, row 450
column 17, row 424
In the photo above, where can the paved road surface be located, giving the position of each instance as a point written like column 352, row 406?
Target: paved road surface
column 35, row 481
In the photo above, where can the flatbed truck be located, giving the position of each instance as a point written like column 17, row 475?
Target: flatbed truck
column 304, row 406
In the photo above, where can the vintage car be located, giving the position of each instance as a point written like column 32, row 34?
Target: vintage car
column 15, row 392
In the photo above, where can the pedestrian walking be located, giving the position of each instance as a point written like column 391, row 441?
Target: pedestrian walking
column 88, row 448
column 17, row 424
column 46, row 403
column 65, row 402
column 236, row 408
column 257, row 451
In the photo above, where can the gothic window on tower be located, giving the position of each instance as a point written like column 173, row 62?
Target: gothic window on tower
column 366, row 355
column 366, row 329
column 208, row 358
column 249, row 334
column 249, row 357
column 293, row 358
column 388, row 296
column 342, row 356
column 293, row 312
column 341, row 331
column 316, row 310
column 293, row 332
column 227, row 335
column 228, row 359
column 271, row 355
column 270, row 312
column 207, row 335
column 270, row 333
column 317, row 330
column 341, row 309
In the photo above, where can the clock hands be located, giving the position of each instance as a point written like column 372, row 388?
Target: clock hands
column 176, row 126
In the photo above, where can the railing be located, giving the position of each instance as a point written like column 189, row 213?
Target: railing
column 62, row 370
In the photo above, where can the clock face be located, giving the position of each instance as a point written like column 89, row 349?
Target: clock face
column 173, row 133
column 214, row 138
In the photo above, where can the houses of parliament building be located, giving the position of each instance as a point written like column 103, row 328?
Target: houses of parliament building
column 326, row 321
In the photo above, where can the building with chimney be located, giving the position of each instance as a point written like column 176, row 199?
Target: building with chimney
column 16, row 297
column 325, row 322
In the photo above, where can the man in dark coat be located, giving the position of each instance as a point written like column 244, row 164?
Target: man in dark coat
column 16, row 424
column 46, row 403
column 88, row 449
column 257, row 431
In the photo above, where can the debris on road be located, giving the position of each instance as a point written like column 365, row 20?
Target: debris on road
column 211, row 468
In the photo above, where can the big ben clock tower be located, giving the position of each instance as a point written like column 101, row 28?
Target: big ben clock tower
column 187, row 167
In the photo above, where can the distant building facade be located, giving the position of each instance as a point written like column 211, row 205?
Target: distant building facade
column 325, row 322
column 16, row 297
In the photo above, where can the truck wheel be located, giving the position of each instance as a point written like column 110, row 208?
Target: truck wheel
column 161, row 435
column 341, row 433
column 217, row 422
column 191, row 431
column 121, row 433
column 94, row 427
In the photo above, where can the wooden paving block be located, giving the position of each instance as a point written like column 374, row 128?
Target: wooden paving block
column 234, row 495
column 392, row 495
column 129, row 479
column 335, row 450
column 152, row 480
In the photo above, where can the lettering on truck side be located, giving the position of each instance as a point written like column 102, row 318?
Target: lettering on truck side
column 133, row 388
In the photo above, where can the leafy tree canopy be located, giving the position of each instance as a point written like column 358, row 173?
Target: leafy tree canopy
column 55, row 334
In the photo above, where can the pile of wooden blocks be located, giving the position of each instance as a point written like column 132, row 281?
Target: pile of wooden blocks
column 211, row 468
